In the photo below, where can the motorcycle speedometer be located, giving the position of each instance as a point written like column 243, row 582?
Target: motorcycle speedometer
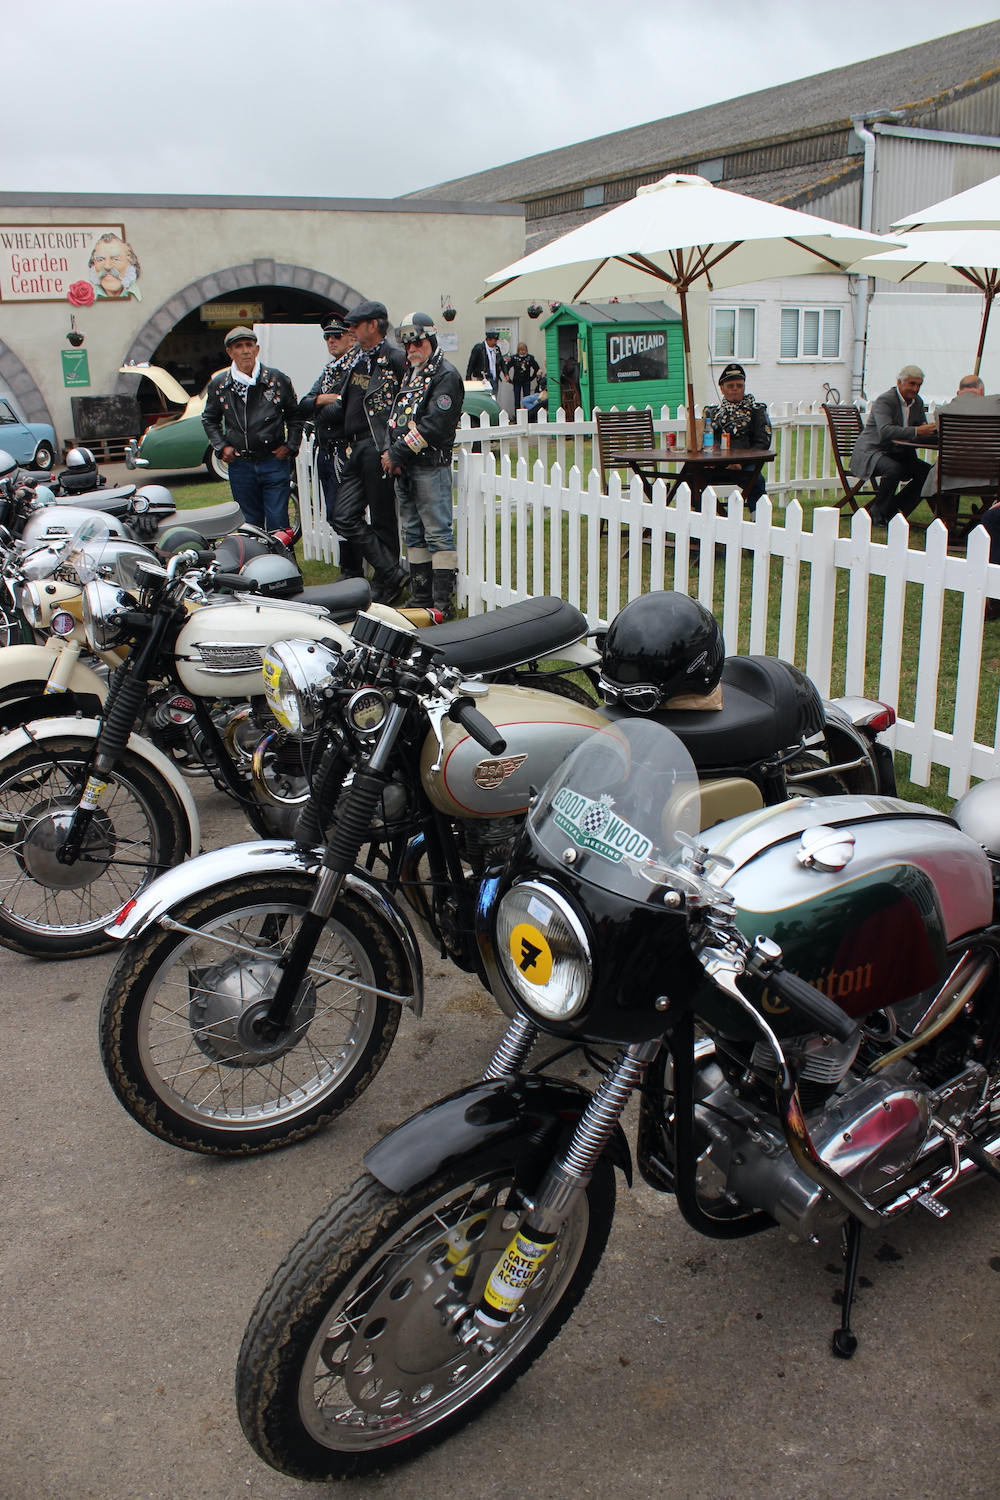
column 544, row 951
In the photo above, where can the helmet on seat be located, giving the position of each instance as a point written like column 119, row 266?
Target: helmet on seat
column 7, row 463
column 80, row 458
column 660, row 646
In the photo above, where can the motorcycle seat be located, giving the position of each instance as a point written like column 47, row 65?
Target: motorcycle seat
column 211, row 520
column 507, row 637
column 342, row 600
column 767, row 706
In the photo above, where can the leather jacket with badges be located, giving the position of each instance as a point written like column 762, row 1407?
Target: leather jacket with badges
column 422, row 424
column 387, row 366
column 328, row 419
column 255, row 426
column 747, row 422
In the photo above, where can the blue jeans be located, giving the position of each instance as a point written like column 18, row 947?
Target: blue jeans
column 425, row 510
column 260, row 488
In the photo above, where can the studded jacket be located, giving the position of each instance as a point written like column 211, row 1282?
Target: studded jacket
column 388, row 366
column 422, row 425
column 255, row 424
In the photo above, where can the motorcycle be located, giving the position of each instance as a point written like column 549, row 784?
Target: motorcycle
column 805, row 999
column 442, row 822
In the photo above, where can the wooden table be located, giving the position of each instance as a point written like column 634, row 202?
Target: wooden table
column 693, row 466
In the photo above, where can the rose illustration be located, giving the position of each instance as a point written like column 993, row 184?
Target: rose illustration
column 80, row 294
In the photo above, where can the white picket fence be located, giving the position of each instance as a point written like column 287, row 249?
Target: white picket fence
column 521, row 536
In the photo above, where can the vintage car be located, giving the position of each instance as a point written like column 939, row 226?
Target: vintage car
column 32, row 444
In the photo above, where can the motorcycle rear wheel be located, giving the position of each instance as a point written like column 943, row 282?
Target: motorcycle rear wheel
column 346, row 1366
column 173, row 1028
column 138, row 827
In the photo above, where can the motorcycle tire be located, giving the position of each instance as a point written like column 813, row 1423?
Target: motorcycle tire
column 823, row 786
column 320, row 1394
column 138, row 814
column 170, row 1033
column 560, row 687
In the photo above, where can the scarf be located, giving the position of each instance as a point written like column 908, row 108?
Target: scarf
column 241, row 383
column 336, row 368
column 734, row 416
column 414, row 388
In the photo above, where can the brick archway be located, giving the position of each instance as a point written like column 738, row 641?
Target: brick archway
column 22, row 383
column 219, row 284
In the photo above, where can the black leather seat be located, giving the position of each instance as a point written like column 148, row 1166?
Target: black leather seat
column 114, row 501
column 210, row 520
column 343, row 599
column 767, row 706
column 507, row 637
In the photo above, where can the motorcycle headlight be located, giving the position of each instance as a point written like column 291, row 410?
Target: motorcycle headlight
column 543, row 949
column 31, row 605
column 296, row 677
column 102, row 609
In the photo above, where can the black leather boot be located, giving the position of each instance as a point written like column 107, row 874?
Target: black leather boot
column 444, row 580
column 421, row 591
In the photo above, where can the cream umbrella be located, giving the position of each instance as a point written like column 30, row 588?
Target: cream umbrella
column 977, row 208
column 679, row 231
column 954, row 257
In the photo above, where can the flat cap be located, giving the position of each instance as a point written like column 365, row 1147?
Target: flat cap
column 239, row 333
column 364, row 312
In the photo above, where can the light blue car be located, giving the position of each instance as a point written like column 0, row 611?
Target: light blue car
column 32, row 444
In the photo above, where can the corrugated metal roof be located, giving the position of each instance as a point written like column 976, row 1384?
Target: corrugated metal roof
column 934, row 78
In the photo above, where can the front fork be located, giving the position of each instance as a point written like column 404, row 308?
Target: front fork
column 566, row 1178
column 341, row 855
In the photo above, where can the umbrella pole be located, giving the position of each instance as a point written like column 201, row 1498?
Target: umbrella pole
column 692, row 439
column 990, row 294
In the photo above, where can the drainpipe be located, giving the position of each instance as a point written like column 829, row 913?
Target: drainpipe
column 860, row 289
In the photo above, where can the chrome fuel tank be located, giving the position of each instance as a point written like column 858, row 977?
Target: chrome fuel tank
column 218, row 649
column 540, row 730
column 874, row 932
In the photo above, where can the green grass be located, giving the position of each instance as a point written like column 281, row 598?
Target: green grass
column 212, row 492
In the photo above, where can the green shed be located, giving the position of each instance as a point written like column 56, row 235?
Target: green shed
column 614, row 354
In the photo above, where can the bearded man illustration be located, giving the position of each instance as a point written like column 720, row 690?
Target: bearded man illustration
column 114, row 269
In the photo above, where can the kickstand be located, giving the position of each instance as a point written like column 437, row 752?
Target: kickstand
column 844, row 1341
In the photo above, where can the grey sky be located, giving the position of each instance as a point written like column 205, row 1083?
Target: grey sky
column 377, row 97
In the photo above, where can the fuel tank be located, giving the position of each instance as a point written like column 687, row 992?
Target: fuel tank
column 57, row 522
column 218, row 649
column 540, row 730
column 874, row 932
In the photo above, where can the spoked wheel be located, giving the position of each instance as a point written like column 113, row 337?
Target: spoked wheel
column 560, row 687
column 353, row 1359
column 177, row 1024
column 53, row 910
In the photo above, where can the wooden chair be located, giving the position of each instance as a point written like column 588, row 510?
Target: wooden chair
column 618, row 431
column 846, row 426
column 968, row 457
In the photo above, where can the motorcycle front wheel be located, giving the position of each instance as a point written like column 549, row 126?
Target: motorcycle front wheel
column 51, row 910
column 176, row 1030
column 350, row 1362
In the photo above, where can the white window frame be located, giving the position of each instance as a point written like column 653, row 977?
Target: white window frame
column 823, row 310
column 735, row 309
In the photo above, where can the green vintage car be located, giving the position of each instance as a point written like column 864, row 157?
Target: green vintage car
column 177, row 440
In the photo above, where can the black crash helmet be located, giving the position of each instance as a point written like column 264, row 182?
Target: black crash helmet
column 663, row 641
column 80, row 458
column 181, row 539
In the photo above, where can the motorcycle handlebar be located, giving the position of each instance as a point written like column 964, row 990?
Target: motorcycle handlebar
column 234, row 581
column 811, row 1003
column 463, row 711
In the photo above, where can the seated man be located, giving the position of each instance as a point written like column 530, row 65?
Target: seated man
column 748, row 426
column 886, row 450
column 970, row 400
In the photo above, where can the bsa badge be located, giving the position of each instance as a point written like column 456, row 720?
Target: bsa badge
column 489, row 774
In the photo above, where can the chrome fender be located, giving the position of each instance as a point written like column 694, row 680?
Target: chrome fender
column 34, row 663
column 264, row 857
column 43, row 730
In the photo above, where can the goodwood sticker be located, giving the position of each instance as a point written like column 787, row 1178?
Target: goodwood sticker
column 592, row 825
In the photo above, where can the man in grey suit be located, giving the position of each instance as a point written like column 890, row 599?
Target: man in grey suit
column 897, row 418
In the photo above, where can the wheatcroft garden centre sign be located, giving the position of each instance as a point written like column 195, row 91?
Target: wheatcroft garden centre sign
column 75, row 263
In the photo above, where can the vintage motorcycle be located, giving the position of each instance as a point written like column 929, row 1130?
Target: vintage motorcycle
column 443, row 821
column 806, row 1000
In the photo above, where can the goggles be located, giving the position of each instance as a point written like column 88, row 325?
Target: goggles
column 643, row 698
column 411, row 335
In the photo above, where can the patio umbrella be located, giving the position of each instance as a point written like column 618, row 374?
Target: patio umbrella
column 956, row 257
column 679, row 231
column 977, row 208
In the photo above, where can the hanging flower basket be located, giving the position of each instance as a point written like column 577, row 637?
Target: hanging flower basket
column 449, row 314
column 555, row 306
column 535, row 309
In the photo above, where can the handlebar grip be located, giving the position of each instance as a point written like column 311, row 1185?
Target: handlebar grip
column 811, row 1003
column 464, row 712
column 235, row 581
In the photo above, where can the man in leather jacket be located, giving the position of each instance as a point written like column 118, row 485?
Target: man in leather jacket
column 251, row 420
column 419, row 440
column 486, row 362
column 366, row 396
column 322, row 406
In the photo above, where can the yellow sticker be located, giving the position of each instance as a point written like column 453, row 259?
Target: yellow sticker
column 531, row 953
